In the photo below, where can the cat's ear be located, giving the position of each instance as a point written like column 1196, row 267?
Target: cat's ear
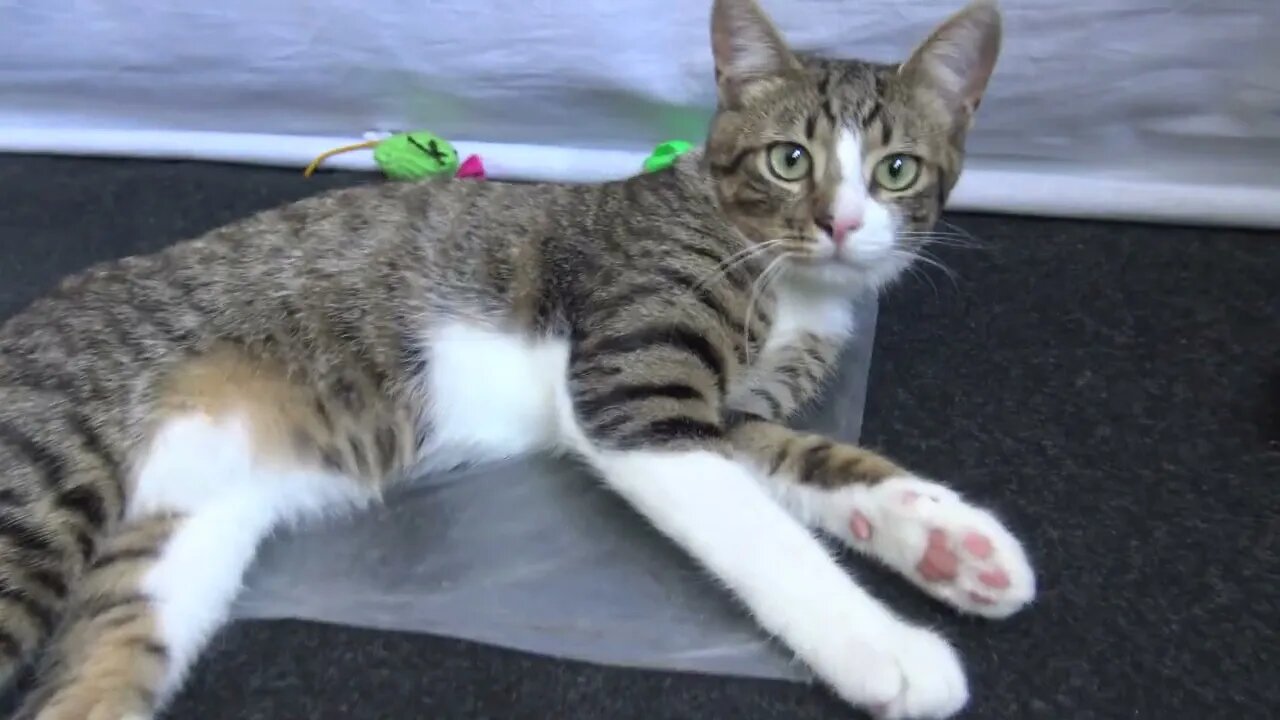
column 750, row 53
column 957, row 59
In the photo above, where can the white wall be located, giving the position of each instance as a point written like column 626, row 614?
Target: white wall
column 1133, row 108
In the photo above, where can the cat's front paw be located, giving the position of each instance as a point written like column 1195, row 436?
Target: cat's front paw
column 933, row 681
column 906, row 673
column 953, row 550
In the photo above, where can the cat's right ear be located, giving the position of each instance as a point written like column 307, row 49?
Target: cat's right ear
column 749, row 52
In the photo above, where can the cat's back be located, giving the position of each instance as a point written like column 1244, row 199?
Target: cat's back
column 348, row 265
column 334, row 241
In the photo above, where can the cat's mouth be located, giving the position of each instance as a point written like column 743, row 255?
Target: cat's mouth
column 838, row 260
column 840, row 270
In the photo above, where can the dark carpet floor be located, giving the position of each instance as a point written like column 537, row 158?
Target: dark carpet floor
column 1112, row 389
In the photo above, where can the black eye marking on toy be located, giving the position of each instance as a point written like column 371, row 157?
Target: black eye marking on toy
column 431, row 150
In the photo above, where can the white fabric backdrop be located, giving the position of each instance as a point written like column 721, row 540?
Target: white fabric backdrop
column 1157, row 109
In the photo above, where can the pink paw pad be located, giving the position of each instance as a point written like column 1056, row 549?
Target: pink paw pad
column 860, row 526
column 996, row 578
column 978, row 545
column 939, row 562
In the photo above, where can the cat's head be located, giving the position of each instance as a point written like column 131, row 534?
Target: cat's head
column 842, row 166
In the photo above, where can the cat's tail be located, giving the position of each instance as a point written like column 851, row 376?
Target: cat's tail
column 60, row 489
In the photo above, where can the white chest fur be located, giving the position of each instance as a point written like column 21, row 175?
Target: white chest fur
column 491, row 395
column 802, row 310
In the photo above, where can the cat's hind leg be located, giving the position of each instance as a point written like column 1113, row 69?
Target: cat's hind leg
column 237, row 449
column 163, row 582
column 60, row 488
column 108, row 658
column 953, row 549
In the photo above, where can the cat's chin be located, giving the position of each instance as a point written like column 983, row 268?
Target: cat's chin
column 843, row 277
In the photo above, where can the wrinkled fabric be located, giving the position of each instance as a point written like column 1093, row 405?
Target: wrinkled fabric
column 1183, row 91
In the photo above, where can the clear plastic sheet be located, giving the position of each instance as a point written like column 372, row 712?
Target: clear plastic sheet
column 535, row 555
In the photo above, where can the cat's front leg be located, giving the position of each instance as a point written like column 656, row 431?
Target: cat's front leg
column 956, row 551
column 650, row 427
column 712, row 507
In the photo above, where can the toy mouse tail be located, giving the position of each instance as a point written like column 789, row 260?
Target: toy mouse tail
column 338, row 150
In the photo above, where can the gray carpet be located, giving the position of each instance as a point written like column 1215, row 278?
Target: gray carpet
column 1113, row 390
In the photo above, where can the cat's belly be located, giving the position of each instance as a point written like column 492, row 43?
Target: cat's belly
column 490, row 395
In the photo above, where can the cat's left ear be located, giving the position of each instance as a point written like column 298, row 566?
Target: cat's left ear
column 957, row 59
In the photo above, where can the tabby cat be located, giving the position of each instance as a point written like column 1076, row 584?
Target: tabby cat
column 159, row 415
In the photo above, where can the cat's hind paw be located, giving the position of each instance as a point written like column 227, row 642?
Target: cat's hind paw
column 957, row 552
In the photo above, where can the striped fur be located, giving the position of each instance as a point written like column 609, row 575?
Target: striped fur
column 313, row 320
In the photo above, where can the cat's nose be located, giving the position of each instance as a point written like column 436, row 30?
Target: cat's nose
column 839, row 227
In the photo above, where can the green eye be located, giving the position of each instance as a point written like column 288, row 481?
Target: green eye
column 789, row 161
column 896, row 173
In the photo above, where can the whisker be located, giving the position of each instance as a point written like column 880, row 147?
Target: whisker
column 926, row 259
column 916, row 272
column 748, row 251
column 961, row 231
column 757, row 287
column 934, row 234
column 943, row 239
column 929, row 259
column 734, row 260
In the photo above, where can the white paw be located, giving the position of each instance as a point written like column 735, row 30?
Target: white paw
column 933, row 681
column 905, row 673
column 957, row 552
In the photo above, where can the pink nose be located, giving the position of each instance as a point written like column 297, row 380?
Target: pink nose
column 839, row 228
